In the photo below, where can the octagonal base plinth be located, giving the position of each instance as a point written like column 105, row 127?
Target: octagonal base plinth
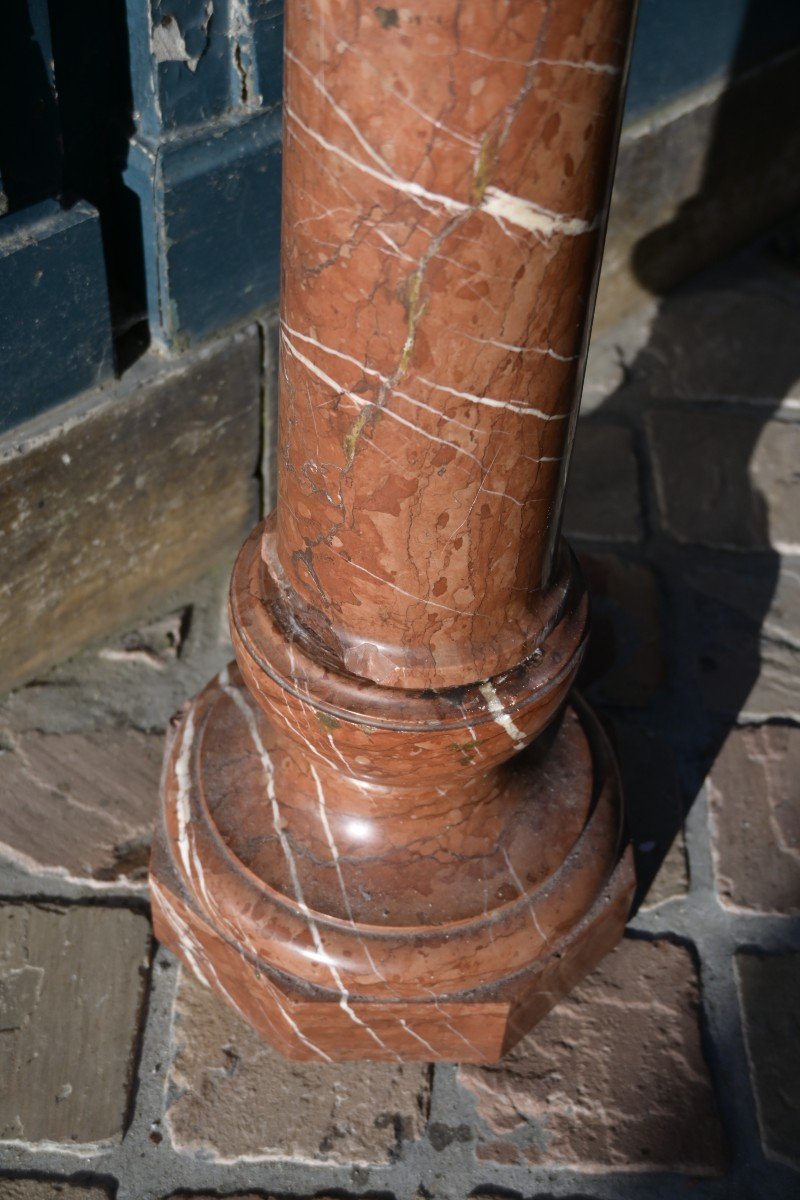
column 312, row 1024
column 245, row 872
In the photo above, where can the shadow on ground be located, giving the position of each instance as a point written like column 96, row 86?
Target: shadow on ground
column 693, row 599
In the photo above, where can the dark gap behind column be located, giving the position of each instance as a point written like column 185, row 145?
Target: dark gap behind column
column 92, row 75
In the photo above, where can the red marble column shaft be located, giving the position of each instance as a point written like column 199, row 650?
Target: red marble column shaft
column 385, row 832
column 446, row 178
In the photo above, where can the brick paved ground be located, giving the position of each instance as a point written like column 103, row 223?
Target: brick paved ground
column 674, row 1070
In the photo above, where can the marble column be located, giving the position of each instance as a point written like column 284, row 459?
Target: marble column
column 388, row 831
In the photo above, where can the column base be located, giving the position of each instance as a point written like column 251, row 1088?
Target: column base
column 246, row 861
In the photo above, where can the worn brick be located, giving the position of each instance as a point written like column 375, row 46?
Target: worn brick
column 654, row 810
column 72, row 985
column 730, row 335
column 51, row 1189
column 768, row 988
column 614, row 1077
column 236, row 1096
column 611, row 352
column 624, row 662
column 725, row 479
column 748, row 636
column 671, row 880
column 603, row 501
column 754, row 794
column 80, row 805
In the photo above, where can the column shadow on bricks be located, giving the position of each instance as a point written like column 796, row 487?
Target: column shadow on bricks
column 690, row 599
column 690, row 610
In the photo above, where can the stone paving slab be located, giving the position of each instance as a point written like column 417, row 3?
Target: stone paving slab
column 754, row 796
column 234, row 1096
column 594, row 1085
column 72, row 985
column 730, row 335
column 81, row 750
column 746, row 626
column 603, row 502
column 725, row 479
column 80, row 805
column 769, row 988
column 41, row 1189
column 259, row 1196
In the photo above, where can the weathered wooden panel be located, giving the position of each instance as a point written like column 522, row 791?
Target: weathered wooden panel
column 122, row 499
column 55, row 330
